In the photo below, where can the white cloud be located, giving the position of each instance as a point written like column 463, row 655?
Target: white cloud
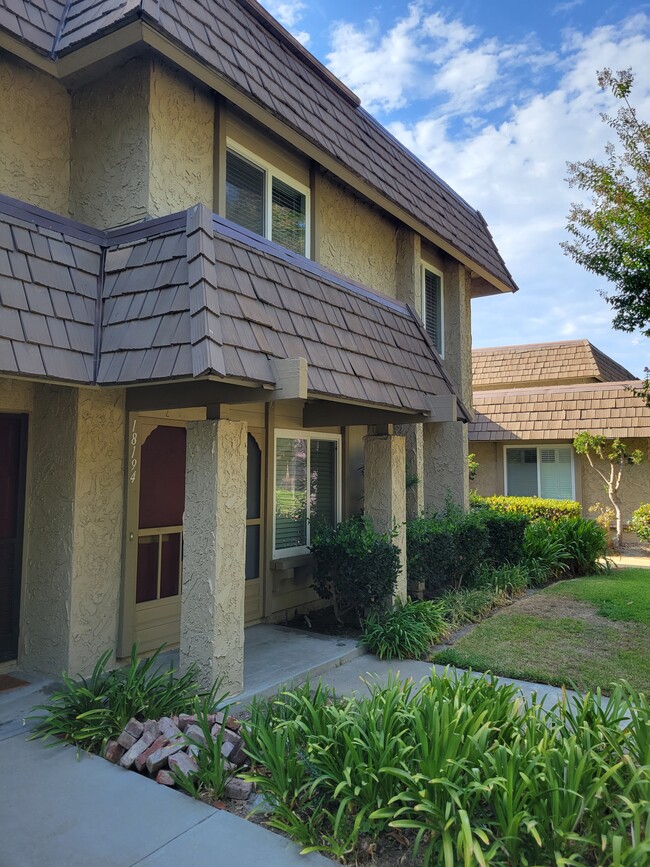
column 426, row 54
column 289, row 13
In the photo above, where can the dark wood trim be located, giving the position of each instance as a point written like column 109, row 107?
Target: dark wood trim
column 178, row 395
column 329, row 413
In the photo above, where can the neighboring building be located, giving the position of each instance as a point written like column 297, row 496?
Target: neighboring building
column 531, row 400
column 222, row 284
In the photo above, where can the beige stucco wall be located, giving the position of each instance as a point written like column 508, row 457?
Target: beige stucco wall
column 489, row 476
column 35, row 149
column 47, row 577
column 181, row 141
column 71, row 580
column 16, row 395
column 110, row 147
column 98, row 513
column 212, row 608
column 354, row 238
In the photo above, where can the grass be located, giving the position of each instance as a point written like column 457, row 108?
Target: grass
column 623, row 595
column 586, row 633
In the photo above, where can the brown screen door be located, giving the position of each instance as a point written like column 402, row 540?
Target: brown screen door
column 161, row 502
column 13, row 449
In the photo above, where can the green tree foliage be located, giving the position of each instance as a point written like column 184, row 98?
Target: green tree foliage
column 618, row 455
column 611, row 237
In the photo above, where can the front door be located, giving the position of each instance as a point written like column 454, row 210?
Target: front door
column 13, row 450
column 161, row 502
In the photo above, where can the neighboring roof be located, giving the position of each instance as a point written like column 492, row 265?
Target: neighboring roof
column 192, row 295
column 241, row 42
column 557, row 413
column 563, row 362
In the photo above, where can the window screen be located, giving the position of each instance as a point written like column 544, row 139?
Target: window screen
column 521, row 468
column 245, row 193
column 288, row 217
column 433, row 307
column 290, row 493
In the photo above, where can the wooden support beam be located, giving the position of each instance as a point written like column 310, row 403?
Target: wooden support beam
column 290, row 378
column 203, row 392
column 325, row 413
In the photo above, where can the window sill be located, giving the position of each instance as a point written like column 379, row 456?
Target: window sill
column 291, row 562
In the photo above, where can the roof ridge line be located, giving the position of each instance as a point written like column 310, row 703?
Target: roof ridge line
column 60, row 27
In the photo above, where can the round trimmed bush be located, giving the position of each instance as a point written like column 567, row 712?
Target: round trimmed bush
column 641, row 522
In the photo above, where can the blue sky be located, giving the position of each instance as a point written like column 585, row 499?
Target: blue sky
column 495, row 97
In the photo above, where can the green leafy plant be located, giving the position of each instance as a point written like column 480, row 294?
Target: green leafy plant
column 212, row 775
column 355, row 566
column 445, row 551
column 534, row 507
column 405, row 632
column 641, row 522
column 505, row 536
column 88, row 711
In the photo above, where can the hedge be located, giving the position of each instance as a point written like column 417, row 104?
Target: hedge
column 641, row 522
column 534, row 507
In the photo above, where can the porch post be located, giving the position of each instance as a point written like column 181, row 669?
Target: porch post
column 212, row 603
column 384, row 480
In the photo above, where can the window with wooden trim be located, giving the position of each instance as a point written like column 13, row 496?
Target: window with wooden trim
column 432, row 306
column 307, row 488
column 540, row 471
column 266, row 201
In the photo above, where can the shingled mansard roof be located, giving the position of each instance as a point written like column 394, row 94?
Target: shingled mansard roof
column 247, row 49
column 192, row 295
column 562, row 362
column 553, row 391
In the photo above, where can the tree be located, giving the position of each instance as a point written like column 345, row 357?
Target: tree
column 611, row 238
column 618, row 455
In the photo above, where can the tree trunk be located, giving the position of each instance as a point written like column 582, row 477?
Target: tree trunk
column 616, row 502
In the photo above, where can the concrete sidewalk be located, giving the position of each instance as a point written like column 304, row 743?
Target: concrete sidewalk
column 58, row 810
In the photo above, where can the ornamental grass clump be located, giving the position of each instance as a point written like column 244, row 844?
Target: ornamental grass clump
column 406, row 631
column 89, row 711
column 460, row 769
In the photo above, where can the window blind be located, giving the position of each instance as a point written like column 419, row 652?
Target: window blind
column 432, row 308
column 555, row 473
column 245, row 193
column 288, row 216
column 521, row 470
column 322, row 482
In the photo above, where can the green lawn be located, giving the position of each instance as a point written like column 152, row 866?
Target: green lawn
column 584, row 633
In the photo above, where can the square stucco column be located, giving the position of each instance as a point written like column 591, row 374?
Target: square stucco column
column 214, row 536
column 384, row 480
column 75, row 495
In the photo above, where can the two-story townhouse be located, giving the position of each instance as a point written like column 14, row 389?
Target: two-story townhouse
column 231, row 304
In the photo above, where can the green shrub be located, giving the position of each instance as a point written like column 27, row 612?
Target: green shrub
column 566, row 546
column 87, row 712
column 507, row 579
column 505, row 542
column 462, row 769
column 534, row 507
column 445, row 551
column 354, row 566
column 641, row 522
column 405, row 632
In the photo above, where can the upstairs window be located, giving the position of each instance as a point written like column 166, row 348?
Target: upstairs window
column 544, row 471
column 432, row 306
column 267, row 202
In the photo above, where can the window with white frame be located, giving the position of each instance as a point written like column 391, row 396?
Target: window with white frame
column 266, row 201
column 432, row 306
column 307, row 487
column 540, row 471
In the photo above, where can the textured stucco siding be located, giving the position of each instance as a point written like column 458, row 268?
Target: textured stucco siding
column 488, row 480
column 385, row 493
column 110, row 147
column 16, row 395
column 99, row 507
column 212, row 608
column 47, row 578
column 355, row 239
column 35, row 150
column 71, row 580
column 181, row 141
column 635, row 485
